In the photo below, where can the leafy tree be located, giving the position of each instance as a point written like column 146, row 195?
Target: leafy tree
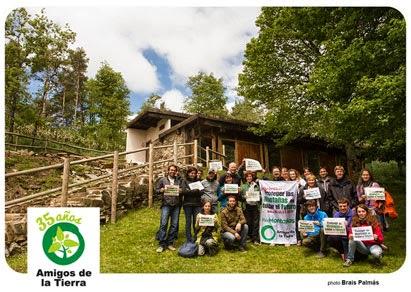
column 332, row 73
column 108, row 107
column 247, row 111
column 150, row 103
column 207, row 95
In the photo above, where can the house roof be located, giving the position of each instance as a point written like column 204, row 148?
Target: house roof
column 150, row 117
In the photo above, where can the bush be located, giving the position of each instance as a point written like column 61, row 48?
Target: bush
column 384, row 172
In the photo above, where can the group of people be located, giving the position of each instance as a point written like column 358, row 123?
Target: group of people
column 234, row 216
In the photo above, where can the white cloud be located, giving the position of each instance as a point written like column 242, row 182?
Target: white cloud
column 173, row 99
column 192, row 39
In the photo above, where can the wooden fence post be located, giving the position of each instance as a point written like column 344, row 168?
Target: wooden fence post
column 224, row 155
column 207, row 156
column 16, row 142
column 150, row 176
column 175, row 152
column 64, row 187
column 195, row 153
column 114, row 189
column 45, row 145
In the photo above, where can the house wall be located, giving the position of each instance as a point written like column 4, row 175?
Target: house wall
column 137, row 138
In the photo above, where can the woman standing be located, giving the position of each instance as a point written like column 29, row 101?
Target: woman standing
column 362, row 218
column 250, row 193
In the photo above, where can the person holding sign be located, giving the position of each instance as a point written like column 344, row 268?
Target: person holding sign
column 340, row 242
column 341, row 187
column 323, row 179
column 295, row 176
column 250, row 193
column 223, row 192
column 233, row 226
column 207, row 228
column 317, row 237
column 192, row 190
column 237, row 175
column 367, row 246
column 170, row 209
column 210, row 185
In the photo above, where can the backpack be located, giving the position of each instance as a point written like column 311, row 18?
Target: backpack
column 188, row 250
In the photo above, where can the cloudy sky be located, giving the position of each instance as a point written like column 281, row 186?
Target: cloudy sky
column 156, row 49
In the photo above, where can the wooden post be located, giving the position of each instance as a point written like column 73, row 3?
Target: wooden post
column 16, row 143
column 114, row 189
column 175, row 152
column 223, row 159
column 207, row 155
column 64, row 187
column 150, row 176
column 45, row 145
column 195, row 153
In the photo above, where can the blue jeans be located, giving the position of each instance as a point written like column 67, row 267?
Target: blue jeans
column 230, row 241
column 172, row 212
column 191, row 213
column 374, row 250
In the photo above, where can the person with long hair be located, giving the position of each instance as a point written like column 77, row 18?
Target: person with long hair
column 295, row 176
column 252, row 206
column 207, row 236
column 361, row 218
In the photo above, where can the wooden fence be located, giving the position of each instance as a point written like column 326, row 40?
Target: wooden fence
column 46, row 145
column 67, row 188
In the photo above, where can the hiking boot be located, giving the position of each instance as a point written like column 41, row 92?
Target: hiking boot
column 201, row 250
column 347, row 263
column 320, row 255
column 298, row 242
column 160, row 249
column 172, row 248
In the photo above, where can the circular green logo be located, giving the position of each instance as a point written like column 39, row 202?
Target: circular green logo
column 63, row 243
column 270, row 230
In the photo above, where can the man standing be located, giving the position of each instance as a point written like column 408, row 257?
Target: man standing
column 237, row 176
column 233, row 226
column 324, row 180
column 341, row 187
column 210, row 185
column 170, row 210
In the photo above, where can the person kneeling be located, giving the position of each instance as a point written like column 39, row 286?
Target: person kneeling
column 207, row 228
column 312, row 239
column 364, row 218
column 234, row 227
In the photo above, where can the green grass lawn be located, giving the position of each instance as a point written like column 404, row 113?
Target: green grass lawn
column 129, row 246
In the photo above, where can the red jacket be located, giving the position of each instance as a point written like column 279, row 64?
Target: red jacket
column 375, row 230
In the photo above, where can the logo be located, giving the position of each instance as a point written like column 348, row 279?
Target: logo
column 63, row 243
column 268, row 232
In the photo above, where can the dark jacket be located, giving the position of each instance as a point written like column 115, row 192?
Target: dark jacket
column 323, row 200
column 190, row 197
column 236, row 179
column 342, row 188
column 168, row 200
column 324, row 183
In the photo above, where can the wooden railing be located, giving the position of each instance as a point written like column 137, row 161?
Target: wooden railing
column 46, row 145
column 209, row 151
column 67, row 188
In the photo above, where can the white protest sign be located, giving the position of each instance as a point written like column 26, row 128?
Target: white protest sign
column 196, row 186
column 216, row 165
column 252, row 165
column 231, row 189
column 206, row 220
column 306, row 226
column 334, row 226
column 311, row 194
column 375, row 193
column 362, row 233
column 252, row 196
column 171, row 190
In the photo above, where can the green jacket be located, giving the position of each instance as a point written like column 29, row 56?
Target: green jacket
column 245, row 187
column 215, row 230
column 230, row 217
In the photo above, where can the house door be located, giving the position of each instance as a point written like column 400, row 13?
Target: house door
column 248, row 150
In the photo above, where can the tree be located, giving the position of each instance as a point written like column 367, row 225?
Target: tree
column 207, row 95
column 333, row 73
column 247, row 111
column 150, row 103
column 108, row 109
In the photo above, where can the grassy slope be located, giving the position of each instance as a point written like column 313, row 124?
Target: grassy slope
column 129, row 247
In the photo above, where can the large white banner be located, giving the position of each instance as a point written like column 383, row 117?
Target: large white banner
column 277, row 220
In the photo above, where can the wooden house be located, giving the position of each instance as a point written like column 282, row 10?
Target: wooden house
column 232, row 137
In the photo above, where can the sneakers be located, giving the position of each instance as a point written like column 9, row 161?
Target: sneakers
column 172, row 248
column 347, row 263
column 298, row 242
column 320, row 255
column 201, row 250
column 160, row 249
column 384, row 247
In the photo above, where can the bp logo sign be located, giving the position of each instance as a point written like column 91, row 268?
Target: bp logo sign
column 63, row 243
column 268, row 232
